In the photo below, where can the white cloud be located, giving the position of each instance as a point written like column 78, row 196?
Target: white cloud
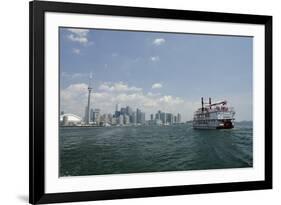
column 80, row 32
column 171, row 100
column 74, row 100
column 114, row 54
column 153, row 94
column 158, row 41
column 73, row 97
column 79, row 35
column 118, row 87
column 77, row 88
column 76, row 51
column 72, row 76
column 156, row 86
column 154, row 58
column 76, row 38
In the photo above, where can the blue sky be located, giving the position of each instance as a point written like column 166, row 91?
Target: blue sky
column 154, row 70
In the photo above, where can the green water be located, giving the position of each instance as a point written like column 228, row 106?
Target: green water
column 114, row 150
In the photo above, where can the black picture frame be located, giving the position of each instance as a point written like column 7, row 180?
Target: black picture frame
column 37, row 9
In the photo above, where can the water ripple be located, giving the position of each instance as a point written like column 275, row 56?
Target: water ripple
column 92, row 151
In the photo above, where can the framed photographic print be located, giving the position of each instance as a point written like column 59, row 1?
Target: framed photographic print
column 140, row 102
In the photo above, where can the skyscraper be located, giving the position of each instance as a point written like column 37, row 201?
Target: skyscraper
column 133, row 118
column 123, row 111
column 163, row 117
column 109, row 117
column 169, row 118
column 138, row 113
column 175, row 119
column 103, row 119
column 157, row 115
column 126, row 119
column 142, row 120
column 120, row 120
column 179, row 118
column 117, row 113
column 129, row 110
column 96, row 116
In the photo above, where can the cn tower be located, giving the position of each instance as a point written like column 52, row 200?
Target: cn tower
column 89, row 101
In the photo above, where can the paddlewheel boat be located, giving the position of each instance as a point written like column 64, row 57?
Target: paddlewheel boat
column 214, row 116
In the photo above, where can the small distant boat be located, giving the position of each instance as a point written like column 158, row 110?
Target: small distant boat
column 214, row 116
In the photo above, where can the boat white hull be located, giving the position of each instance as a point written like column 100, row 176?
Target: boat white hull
column 213, row 124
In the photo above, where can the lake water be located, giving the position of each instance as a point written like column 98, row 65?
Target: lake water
column 115, row 150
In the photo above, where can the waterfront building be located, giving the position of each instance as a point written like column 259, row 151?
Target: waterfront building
column 142, row 118
column 138, row 113
column 129, row 110
column 117, row 112
column 69, row 119
column 158, row 122
column 151, row 117
column 96, row 116
column 103, row 119
column 123, row 111
column 120, row 120
column 179, row 118
column 169, row 118
column 126, row 119
column 157, row 115
column 109, row 118
column 175, row 119
column 133, row 118
column 114, row 121
column 166, row 118
column 163, row 117
column 151, row 122
column 65, row 120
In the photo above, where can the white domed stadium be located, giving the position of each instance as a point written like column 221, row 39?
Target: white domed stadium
column 70, row 119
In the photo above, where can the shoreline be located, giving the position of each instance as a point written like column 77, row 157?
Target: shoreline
column 71, row 126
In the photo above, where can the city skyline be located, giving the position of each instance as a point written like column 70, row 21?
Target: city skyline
column 128, row 115
column 127, row 110
column 150, row 71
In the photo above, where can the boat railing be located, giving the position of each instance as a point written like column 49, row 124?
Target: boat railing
column 231, row 109
column 218, row 108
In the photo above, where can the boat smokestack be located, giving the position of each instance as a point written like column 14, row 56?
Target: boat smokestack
column 202, row 102
column 210, row 101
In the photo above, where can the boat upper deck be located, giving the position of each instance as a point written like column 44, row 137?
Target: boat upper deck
column 210, row 111
column 214, row 109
